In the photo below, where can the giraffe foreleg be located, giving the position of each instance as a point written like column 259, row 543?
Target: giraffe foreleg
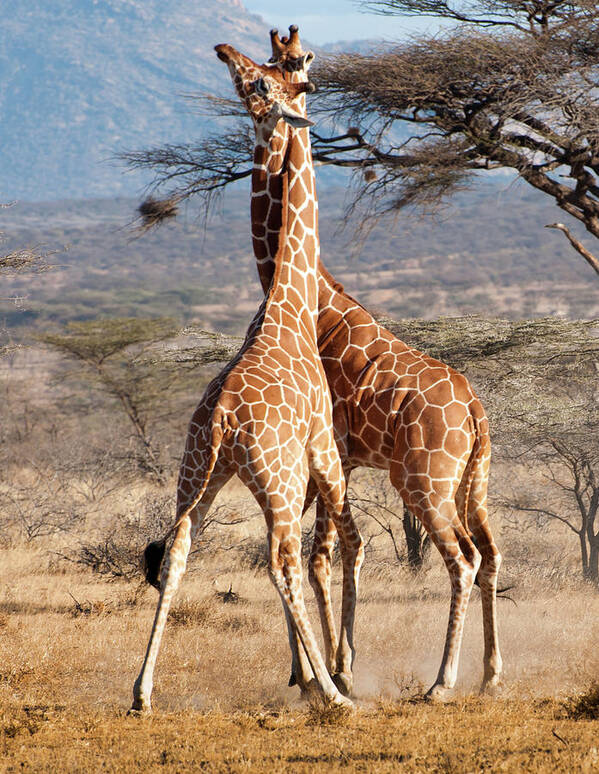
column 301, row 671
column 286, row 574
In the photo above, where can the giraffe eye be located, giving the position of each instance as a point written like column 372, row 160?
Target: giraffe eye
column 261, row 87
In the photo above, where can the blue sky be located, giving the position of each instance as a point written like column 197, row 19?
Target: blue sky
column 326, row 21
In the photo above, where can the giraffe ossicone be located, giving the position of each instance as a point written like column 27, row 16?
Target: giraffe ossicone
column 267, row 416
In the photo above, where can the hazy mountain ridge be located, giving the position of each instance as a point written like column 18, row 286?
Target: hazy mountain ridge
column 84, row 79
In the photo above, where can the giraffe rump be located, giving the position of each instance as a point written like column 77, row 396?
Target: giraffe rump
column 154, row 552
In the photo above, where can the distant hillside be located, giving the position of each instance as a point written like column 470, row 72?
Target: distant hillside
column 488, row 254
column 81, row 78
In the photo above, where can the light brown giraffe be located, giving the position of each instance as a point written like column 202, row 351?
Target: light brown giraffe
column 267, row 416
column 397, row 409
column 272, row 149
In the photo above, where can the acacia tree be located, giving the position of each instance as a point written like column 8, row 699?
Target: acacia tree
column 547, row 411
column 116, row 357
column 570, row 466
column 19, row 261
column 512, row 85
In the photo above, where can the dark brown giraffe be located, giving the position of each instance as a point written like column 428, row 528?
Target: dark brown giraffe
column 267, row 416
column 397, row 409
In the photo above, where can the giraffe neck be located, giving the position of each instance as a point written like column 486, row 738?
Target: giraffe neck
column 266, row 197
column 267, row 200
column 293, row 270
column 266, row 213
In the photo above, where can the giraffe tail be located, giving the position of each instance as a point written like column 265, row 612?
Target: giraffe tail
column 473, row 467
column 153, row 554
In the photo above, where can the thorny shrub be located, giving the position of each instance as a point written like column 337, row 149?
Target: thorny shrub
column 118, row 556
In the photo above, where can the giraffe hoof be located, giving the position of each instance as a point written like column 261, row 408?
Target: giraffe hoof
column 134, row 712
column 342, row 702
column 343, row 682
column 140, row 707
column 438, row 694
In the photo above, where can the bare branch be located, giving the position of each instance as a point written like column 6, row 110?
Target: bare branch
column 577, row 245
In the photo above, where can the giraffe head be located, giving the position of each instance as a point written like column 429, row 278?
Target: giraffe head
column 288, row 54
column 267, row 96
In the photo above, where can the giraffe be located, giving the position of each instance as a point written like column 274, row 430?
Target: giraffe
column 397, row 409
column 267, row 416
column 270, row 152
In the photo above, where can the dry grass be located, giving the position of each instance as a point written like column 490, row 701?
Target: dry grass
column 585, row 705
column 71, row 645
column 468, row 735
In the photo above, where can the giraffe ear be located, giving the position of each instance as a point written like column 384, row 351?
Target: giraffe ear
column 294, row 119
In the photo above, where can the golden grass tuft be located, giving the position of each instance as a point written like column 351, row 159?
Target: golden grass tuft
column 191, row 612
column 322, row 713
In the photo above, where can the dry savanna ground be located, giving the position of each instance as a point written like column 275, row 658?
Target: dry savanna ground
column 71, row 644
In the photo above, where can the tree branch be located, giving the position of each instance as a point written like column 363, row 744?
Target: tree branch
column 577, row 245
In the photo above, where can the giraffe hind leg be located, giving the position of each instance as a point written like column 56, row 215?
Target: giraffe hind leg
column 435, row 506
column 319, row 575
column 462, row 560
column 301, row 671
column 172, row 571
column 332, row 487
column 487, row 574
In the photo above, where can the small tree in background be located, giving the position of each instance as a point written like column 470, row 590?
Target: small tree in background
column 549, row 419
column 16, row 262
column 119, row 357
column 569, row 464
column 22, row 260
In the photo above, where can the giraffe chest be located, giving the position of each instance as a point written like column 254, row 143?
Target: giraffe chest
column 272, row 390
